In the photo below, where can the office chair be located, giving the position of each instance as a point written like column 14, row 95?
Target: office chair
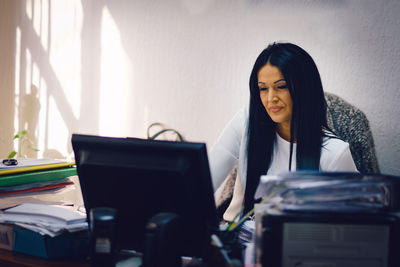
column 351, row 124
column 347, row 122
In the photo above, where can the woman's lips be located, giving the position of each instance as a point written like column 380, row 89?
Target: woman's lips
column 275, row 109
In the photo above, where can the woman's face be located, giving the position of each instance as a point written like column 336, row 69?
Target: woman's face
column 275, row 95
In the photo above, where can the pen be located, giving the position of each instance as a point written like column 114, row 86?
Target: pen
column 232, row 223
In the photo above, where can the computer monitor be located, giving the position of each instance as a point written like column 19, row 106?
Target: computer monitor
column 141, row 178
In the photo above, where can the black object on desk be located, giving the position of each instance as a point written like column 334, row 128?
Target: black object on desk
column 102, row 236
column 141, row 178
column 163, row 241
column 10, row 162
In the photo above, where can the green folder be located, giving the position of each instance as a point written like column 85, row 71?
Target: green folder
column 37, row 176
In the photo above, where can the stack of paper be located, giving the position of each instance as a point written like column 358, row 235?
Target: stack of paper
column 319, row 191
column 45, row 219
column 33, row 176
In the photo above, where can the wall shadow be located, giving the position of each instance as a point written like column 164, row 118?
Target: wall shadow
column 29, row 102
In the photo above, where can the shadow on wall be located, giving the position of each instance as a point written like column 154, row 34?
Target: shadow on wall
column 37, row 81
column 39, row 92
column 34, row 69
column 29, row 110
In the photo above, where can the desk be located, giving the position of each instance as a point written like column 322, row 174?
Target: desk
column 14, row 259
column 9, row 258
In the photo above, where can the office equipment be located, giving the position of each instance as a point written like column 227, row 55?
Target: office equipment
column 328, row 219
column 163, row 241
column 290, row 239
column 102, row 237
column 140, row 178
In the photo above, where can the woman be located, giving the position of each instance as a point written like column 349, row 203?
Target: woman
column 284, row 128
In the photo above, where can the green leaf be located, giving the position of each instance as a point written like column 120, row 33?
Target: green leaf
column 34, row 148
column 21, row 134
column 12, row 154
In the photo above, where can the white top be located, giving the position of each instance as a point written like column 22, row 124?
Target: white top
column 231, row 146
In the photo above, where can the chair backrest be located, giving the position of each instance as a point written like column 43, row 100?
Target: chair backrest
column 351, row 125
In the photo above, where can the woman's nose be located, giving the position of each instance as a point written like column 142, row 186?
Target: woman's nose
column 272, row 97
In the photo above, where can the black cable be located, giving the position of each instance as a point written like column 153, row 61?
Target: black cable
column 154, row 136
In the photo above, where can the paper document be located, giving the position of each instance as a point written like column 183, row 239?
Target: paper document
column 45, row 219
column 323, row 191
column 68, row 195
column 31, row 211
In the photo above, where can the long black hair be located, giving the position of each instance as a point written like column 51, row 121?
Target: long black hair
column 308, row 114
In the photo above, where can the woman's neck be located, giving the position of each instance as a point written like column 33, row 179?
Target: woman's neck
column 283, row 130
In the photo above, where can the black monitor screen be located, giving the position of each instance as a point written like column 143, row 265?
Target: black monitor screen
column 140, row 178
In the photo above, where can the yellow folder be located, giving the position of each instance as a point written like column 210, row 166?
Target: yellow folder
column 36, row 168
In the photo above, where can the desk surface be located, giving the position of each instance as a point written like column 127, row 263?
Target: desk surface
column 9, row 258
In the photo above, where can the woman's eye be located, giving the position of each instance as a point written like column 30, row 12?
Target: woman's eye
column 263, row 88
column 283, row 86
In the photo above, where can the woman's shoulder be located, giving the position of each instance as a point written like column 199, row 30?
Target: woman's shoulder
column 233, row 132
column 241, row 117
column 243, row 112
column 332, row 140
column 333, row 144
column 336, row 155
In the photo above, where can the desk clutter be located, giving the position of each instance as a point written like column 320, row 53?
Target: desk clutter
column 34, row 219
column 45, row 231
column 302, row 219
column 36, row 181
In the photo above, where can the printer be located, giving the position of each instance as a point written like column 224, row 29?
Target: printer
column 310, row 219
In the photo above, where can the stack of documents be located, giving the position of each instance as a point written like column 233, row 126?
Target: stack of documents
column 33, row 176
column 317, row 191
column 45, row 219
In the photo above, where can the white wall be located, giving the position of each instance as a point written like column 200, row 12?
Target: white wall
column 113, row 67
